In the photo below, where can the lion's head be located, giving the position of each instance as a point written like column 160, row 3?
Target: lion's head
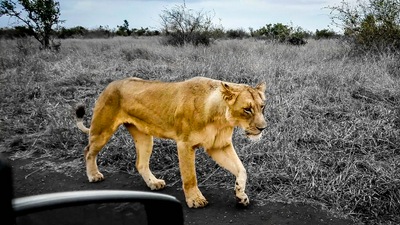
column 246, row 107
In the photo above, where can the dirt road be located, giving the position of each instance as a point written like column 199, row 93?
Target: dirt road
column 221, row 209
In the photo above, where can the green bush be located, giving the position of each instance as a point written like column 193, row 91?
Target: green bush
column 217, row 33
column 324, row 34
column 16, row 32
column 372, row 25
column 194, row 38
column 282, row 33
column 72, row 32
column 236, row 34
column 81, row 32
column 145, row 32
column 276, row 31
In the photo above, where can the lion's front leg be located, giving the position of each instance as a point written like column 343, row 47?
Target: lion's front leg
column 227, row 158
column 193, row 195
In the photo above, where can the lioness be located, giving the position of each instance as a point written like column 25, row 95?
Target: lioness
column 199, row 112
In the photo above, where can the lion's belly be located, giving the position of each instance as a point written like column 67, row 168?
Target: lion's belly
column 156, row 129
column 210, row 136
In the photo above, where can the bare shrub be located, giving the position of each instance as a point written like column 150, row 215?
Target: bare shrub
column 186, row 26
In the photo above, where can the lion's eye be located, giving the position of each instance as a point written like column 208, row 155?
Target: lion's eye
column 247, row 110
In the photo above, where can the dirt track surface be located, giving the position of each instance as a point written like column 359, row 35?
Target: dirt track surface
column 221, row 209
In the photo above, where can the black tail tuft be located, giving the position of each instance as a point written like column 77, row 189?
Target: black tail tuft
column 80, row 111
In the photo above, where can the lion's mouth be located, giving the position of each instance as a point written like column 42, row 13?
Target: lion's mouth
column 251, row 133
column 254, row 136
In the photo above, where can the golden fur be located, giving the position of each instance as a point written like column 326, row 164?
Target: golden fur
column 199, row 112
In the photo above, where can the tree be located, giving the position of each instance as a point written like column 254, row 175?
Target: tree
column 124, row 29
column 38, row 15
column 186, row 26
column 372, row 24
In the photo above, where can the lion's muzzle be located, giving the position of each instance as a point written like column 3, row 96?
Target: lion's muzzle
column 255, row 132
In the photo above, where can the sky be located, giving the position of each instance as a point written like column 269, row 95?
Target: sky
column 230, row 14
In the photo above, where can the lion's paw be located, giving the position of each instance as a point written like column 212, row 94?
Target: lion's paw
column 157, row 184
column 242, row 199
column 96, row 177
column 197, row 202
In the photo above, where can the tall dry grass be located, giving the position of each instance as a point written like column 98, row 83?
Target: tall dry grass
column 334, row 120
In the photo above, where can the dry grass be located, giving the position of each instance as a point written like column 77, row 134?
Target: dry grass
column 334, row 121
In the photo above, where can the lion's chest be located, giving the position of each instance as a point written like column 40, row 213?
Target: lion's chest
column 212, row 137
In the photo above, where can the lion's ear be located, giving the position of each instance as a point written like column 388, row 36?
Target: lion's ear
column 228, row 93
column 261, row 87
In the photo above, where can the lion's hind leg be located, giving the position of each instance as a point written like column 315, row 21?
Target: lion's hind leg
column 144, row 148
column 92, row 170
column 103, row 126
column 98, row 138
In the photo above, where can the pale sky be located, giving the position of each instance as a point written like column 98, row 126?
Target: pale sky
column 230, row 14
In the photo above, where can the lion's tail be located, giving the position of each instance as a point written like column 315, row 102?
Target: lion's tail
column 79, row 113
